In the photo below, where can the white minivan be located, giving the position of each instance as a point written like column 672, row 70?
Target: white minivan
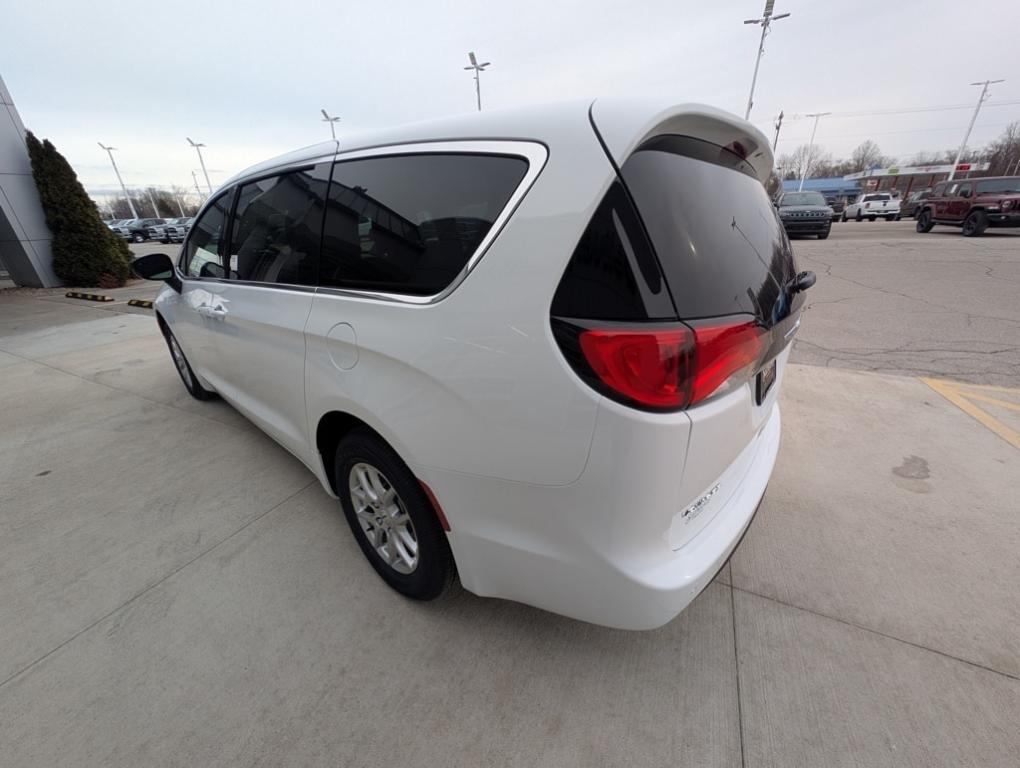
column 539, row 350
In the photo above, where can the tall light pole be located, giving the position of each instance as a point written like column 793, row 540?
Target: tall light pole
column 332, row 122
column 194, row 178
column 155, row 210
column 198, row 148
column 779, row 124
column 131, row 205
column 478, row 68
column 765, row 22
column 810, row 146
column 973, row 119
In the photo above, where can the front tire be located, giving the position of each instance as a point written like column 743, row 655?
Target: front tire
column 185, row 371
column 138, row 238
column 844, row 216
column 859, row 216
column 925, row 222
column 391, row 517
column 975, row 224
column 823, row 235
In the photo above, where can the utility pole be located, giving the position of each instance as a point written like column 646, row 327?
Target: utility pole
column 478, row 68
column 180, row 205
column 198, row 148
column 131, row 205
column 973, row 119
column 779, row 124
column 332, row 122
column 811, row 144
column 765, row 22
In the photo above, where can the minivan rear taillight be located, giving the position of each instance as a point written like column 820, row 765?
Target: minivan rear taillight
column 664, row 368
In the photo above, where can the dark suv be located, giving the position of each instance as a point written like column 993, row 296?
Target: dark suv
column 805, row 213
column 973, row 205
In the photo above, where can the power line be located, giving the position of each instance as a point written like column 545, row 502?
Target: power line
column 787, row 139
column 909, row 110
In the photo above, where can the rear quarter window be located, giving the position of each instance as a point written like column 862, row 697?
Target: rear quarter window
column 408, row 224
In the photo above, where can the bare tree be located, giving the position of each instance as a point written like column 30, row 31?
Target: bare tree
column 1003, row 154
column 804, row 160
column 867, row 155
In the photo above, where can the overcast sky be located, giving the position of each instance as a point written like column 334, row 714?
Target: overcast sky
column 248, row 78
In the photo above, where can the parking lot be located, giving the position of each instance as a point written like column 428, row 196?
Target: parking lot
column 176, row 589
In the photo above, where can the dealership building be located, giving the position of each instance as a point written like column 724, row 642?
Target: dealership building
column 24, row 237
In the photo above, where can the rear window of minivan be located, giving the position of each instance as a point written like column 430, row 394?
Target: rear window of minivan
column 716, row 234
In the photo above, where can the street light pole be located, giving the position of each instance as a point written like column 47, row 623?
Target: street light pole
column 765, row 22
column 198, row 148
column 194, row 178
column 332, row 122
column 478, row 68
column 779, row 124
column 155, row 210
column 811, row 144
column 131, row 205
column 973, row 119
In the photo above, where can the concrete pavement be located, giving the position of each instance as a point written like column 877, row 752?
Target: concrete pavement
column 176, row 590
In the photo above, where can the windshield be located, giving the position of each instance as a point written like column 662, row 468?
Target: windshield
column 802, row 198
column 999, row 187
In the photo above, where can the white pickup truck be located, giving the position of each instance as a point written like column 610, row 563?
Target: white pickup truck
column 871, row 205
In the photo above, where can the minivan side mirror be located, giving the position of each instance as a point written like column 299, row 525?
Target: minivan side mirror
column 157, row 266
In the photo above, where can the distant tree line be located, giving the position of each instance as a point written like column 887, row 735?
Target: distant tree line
column 1002, row 155
column 151, row 202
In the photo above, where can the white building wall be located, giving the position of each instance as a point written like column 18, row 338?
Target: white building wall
column 24, row 236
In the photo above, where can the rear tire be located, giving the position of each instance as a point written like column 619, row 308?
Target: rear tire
column 975, row 224
column 925, row 222
column 872, row 218
column 398, row 530
column 844, row 216
column 184, row 370
column 890, row 218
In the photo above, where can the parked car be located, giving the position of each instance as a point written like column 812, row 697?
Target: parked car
column 974, row 205
column 805, row 213
column 837, row 205
column 911, row 207
column 123, row 228
column 138, row 230
column 167, row 231
column 578, row 412
column 871, row 205
column 177, row 229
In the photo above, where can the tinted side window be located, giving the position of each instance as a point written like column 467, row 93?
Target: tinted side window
column 203, row 254
column 965, row 190
column 409, row 224
column 939, row 191
column 613, row 273
column 276, row 228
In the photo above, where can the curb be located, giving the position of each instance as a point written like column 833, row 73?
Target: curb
column 144, row 303
column 88, row 296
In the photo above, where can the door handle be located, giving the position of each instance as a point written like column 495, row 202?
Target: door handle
column 216, row 312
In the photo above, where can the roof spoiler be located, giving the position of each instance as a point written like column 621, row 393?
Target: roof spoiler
column 624, row 124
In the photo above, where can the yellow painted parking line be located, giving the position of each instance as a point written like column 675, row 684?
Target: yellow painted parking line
column 962, row 396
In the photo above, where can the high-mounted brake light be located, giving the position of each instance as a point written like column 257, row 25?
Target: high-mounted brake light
column 672, row 368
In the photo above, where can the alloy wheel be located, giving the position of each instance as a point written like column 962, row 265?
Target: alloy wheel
column 383, row 518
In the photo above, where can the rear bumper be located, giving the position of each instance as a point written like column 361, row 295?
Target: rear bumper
column 607, row 548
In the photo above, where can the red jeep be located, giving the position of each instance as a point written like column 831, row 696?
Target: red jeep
column 972, row 204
